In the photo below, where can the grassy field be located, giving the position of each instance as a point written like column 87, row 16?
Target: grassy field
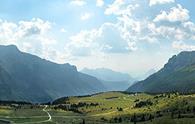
column 110, row 107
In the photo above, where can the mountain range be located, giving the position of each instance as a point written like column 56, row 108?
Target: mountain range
column 112, row 80
column 177, row 75
column 25, row 77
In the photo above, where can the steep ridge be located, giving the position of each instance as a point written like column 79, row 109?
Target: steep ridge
column 39, row 80
column 178, row 75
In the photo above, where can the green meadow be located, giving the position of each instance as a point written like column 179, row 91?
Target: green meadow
column 109, row 107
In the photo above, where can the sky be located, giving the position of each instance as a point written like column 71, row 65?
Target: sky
column 131, row 36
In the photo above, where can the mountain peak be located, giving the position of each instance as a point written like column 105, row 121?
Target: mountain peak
column 177, row 75
column 181, row 60
column 34, row 79
column 69, row 66
column 107, row 74
column 113, row 80
column 9, row 48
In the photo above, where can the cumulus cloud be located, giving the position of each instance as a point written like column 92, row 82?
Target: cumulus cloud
column 78, row 2
column 189, row 27
column 86, row 43
column 99, row 3
column 120, row 37
column 82, row 43
column 63, row 30
column 8, row 31
column 106, row 39
column 120, row 7
column 154, row 2
column 177, row 26
column 29, row 36
column 176, row 14
column 179, row 32
column 130, row 32
column 33, row 27
column 115, row 7
column 11, row 32
column 179, row 45
column 86, row 16
column 112, row 39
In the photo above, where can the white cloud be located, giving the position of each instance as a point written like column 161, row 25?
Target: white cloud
column 82, row 43
column 78, row 2
column 176, row 14
column 113, row 39
column 106, row 39
column 86, row 16
column 8, row 31
column 30, row 36
column 121, row 37
column 63, row 30
column 127, row 33
column 179, row 45
column 33, row 27
column 154, row 2
column 99, row 3
column 173, row 25
column 115, row 7
column 120, row 7
column 190, row 26
column 169, row 32
column 130, row 32
column 11, row 32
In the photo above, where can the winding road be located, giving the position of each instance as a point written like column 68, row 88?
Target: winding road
column 44, row 109
column 50, row 117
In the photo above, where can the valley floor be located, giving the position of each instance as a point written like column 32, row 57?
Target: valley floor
column 110, row 107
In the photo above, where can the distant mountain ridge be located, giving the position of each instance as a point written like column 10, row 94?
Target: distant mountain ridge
column 178, row 75
column 114, row 81
column 26, row 77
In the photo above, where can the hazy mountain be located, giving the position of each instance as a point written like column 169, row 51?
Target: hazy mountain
column 27, row 77
column 177, row 75
column 146, row 74
column 113, row 80
column 150, row 72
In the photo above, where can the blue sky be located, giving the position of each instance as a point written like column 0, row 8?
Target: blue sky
column 130, row 36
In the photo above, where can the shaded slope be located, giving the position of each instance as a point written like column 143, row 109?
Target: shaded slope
column 40, row 80
column 177, row 75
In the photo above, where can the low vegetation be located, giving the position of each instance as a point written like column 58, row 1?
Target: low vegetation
column 110, row 107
